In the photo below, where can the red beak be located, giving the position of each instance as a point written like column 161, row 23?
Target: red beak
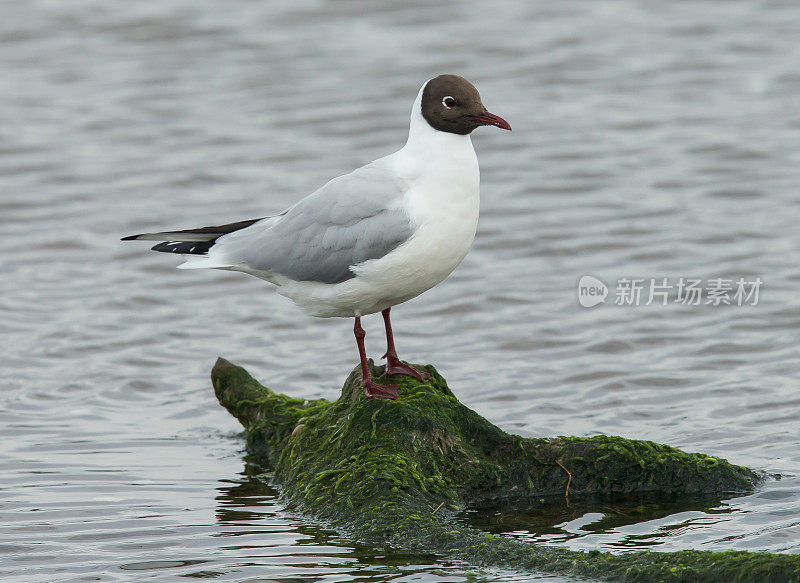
column 490, row 119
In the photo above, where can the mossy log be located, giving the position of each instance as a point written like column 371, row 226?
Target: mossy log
column 397, row 472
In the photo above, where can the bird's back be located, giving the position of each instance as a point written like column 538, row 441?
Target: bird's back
column 349, row 220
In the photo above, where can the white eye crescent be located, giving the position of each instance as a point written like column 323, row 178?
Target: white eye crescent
column 448, row 101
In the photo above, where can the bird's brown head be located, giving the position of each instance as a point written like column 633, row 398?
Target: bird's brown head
column 452, row 104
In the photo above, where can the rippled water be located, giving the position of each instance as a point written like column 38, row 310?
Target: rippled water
column 650, row 140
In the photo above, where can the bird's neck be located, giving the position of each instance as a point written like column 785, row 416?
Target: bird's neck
column 422, row 137
column 429, row 149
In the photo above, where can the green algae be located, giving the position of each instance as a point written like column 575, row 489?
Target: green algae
column 397, row 472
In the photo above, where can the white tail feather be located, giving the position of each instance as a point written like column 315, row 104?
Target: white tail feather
column 200, row 262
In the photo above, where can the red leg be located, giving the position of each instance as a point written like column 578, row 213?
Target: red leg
column 371, row 389
column 393, row 364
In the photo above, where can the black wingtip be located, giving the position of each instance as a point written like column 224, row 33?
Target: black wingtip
column 130, row 238
column 185, row 247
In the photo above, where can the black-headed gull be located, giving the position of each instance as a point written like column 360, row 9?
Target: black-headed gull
column 371, row 239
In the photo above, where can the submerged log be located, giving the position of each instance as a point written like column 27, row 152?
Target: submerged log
column 397, row 472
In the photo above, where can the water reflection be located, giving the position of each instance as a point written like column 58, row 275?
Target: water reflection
column 630, row 522
column 247, row 509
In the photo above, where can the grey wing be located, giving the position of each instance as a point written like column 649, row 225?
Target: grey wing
column 350, row 220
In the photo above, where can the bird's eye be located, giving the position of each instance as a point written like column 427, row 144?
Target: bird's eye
column 448, row 102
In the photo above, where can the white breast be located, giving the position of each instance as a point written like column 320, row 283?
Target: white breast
column 442, row 201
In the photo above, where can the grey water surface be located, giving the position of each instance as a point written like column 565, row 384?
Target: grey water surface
column 651, row 140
